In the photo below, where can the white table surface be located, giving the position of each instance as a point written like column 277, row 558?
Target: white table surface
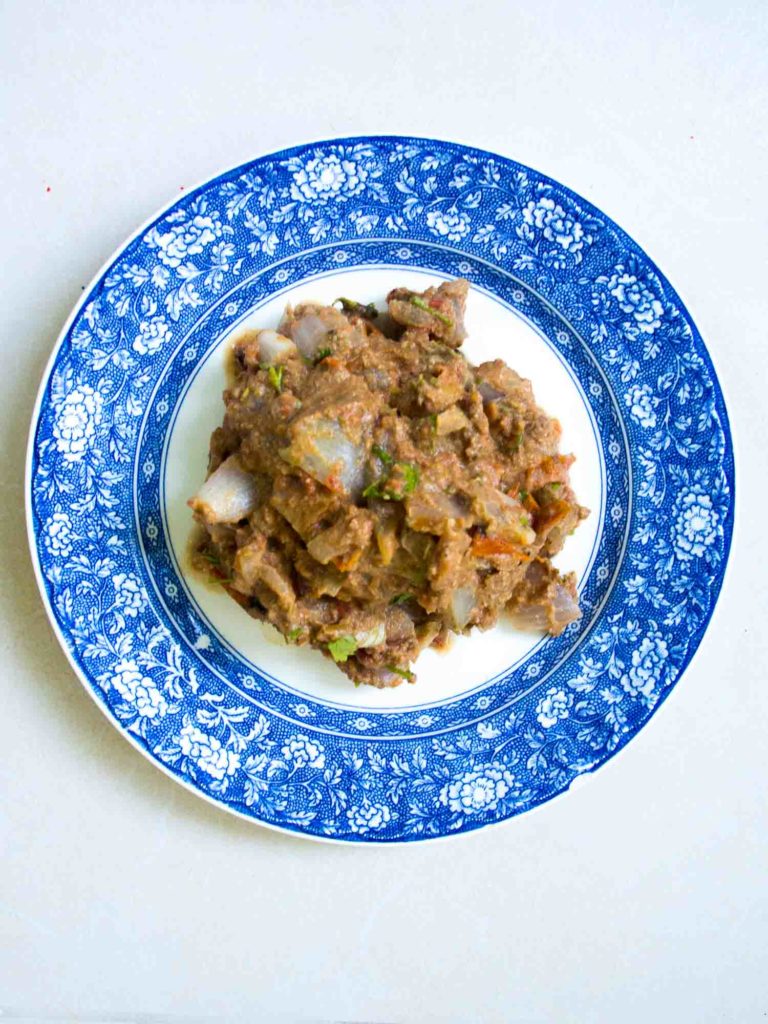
column 643, row 895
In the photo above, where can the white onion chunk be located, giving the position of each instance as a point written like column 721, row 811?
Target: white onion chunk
column 310, row 334
column 274, row 347
column 228, row 495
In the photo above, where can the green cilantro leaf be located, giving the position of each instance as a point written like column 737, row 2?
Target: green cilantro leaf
column 410, row 475
column 372, row 490
column 402, row 672
column 342, row 648
column 276, row 377
column 351, row 306
column 402, row 480
column 381, row 454
column 419, row 303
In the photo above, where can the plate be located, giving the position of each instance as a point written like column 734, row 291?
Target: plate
column 505, row 720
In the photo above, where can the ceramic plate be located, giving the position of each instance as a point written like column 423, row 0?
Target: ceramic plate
column 504, row 720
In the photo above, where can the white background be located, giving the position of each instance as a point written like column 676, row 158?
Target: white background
column 641, row 896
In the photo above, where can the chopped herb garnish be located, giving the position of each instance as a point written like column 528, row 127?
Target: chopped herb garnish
column 323, row 354
column 556, row 486
column 401, row 598
column 523, row 494
column 525, row 520
column 213, row 559
column 401, row 672
column 276, row 377
column 433, row 421
column 351, row 306
column 373, row 490
column 419, row 303
column 342, row 648
column 381, row 454
column 403, row 479
column 294, row 634
column 411, row 476
column 244, row 394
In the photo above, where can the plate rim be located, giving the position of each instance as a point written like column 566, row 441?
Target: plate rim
column 372, row 839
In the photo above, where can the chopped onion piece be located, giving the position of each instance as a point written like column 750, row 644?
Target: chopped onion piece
column 310, row 334
column 531, row 616
column 462, row 606
column 552, row 616
column 433, row 511
column 565, row 608
column 228, row 495
column 322, row 449
column 274, row 347
column 489, row 392
column 374, row 637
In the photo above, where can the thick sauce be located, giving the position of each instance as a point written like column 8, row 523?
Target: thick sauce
column 370, row 491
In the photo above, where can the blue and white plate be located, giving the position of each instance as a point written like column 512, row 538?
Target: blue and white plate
column 502, row 722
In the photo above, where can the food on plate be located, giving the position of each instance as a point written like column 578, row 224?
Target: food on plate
column 371, row 492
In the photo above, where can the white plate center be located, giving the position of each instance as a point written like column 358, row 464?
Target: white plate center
column 495, row 332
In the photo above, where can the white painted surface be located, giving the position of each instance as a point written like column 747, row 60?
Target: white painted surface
column 642, row 895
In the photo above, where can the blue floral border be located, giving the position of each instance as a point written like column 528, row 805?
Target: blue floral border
column 162, row 571
column 338, row 194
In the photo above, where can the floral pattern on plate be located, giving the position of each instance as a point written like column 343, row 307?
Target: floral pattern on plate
column 96, row 526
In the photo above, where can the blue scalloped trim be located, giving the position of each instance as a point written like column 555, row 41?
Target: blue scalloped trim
column 112, row 584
